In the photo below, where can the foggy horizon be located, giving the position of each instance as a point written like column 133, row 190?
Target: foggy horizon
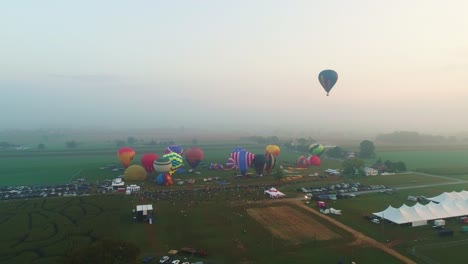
column 241, row 66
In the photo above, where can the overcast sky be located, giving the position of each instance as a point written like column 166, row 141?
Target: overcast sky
column 402, row 65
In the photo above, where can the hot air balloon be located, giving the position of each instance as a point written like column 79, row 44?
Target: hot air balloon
column 273, row 149
column 314, row 160
column 243, row 160
column 162, row 165
column 216, row 166
column 126, row 156
column 327, row 79
column 164, row 179
column 135, row 173
column 174, row 148
column 147, row 160
column 302, row 162
column 316, row 149
column 270, row 162
column 176, row 161
column 231, row 164
column 193, row 156
column 259, row 163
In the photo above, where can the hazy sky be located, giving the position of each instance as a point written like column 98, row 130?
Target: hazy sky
column 402, row 65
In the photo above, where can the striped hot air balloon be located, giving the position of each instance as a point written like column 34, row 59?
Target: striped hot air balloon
column 162, row 165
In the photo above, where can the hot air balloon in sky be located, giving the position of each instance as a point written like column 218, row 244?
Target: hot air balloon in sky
column 273, row 149
column 147, row 161
column 327, row 79
column 193, row 156
column 126, row 155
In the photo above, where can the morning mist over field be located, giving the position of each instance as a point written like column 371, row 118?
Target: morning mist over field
column 243, row 66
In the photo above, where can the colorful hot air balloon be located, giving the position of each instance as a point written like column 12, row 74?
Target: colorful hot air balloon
column 270, row 162
column 273, row 149
column 302, row 162
column 237, row 149
column 327, row 79
column 126, row 155
column 259, row 163
column 314, row 160
column 135, row 173
column 243, row 160
column 164, row 179
column 162, row 165
column 193, row 156
column 231, row 164
column 147, row 160
column 216, row 166
column 174, row 148
column 316, row 149
column 176, row 161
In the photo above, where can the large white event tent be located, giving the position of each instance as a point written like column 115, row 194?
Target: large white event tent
column 445, row 205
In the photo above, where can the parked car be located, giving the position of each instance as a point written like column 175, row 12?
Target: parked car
column 164, row 259
column 375, row 220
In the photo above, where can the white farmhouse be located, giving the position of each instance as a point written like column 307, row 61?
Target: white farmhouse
column 370, row 171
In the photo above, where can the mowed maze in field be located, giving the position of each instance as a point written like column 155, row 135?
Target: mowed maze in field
column 43, row 230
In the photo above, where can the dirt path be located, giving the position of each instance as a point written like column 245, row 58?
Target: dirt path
column 360, row 238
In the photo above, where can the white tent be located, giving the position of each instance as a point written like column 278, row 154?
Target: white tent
column 450, row 196
column 392, row 214
column 419, row 214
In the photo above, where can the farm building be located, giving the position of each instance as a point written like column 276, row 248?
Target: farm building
column 144, row 213
column 370, row 171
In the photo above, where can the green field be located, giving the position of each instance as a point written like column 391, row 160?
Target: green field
column 43, row 230
column 442, row 161
column 40, row 231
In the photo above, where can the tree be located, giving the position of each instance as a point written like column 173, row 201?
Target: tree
column 278, row 175
column 353, row 166
column 41, row 146
column 105, row 252
column 335, row 152
column 367, row 149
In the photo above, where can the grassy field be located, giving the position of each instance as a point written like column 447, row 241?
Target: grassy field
column 40, row 231
column 439, row 160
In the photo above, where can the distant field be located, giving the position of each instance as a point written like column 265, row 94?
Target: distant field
column 60, row 166
column 436, row 160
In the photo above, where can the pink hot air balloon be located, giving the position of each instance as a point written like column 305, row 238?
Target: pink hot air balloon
column 147, row 161
column 314, row 160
